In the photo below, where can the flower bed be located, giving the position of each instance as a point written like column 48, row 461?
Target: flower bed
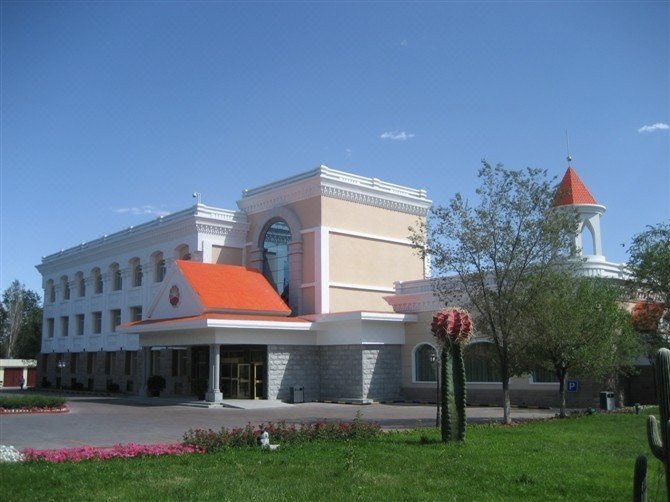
column 32, row 404
column 130, row 450
column 210, row 440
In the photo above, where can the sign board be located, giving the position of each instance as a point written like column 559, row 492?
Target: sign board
column 573, row 385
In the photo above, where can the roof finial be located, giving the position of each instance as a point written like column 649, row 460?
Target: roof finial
column 567, row 147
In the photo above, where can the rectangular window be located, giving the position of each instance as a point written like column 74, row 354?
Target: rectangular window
column 114, row 318
column 110, row 362
column 73, row 363
column 80, row 324
column 50, row 328
column 155, row 362
column 90, row 363
column 542, row 375
column 96, row 322
column 64, row 326
column 136, row 313
column 179, row 362
column 131, row 362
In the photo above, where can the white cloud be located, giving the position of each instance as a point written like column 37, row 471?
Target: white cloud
column 397, row 135
column 148, row 209
column 658, row 126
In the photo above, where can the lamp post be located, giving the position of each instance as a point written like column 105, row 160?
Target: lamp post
column 61, row 364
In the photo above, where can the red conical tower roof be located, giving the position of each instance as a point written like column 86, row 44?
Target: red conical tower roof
column 572, row 190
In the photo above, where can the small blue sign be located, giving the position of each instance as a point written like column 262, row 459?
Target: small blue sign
column 573, row 385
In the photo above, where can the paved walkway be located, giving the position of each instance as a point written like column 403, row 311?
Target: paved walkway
column 103, row 421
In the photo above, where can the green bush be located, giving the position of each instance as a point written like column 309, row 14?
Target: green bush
column 36, row 401
column 156, row 384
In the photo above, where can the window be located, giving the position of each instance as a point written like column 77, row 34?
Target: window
column 182, row 253
column 275, row 257
column 110, row 359
column 50, row 291
column 66, row 288
column 425, row 363
column 136, row 313
column 159, row 267
column 155, row 362
column 97, row 281
column 80, row 324
column 73, row 363
column 81, row 285
column 64, row 325
column 114, row 318
column 179, row 362
column 543, row 375
column 481, row 363
column 50, row 328
column 90, row 363
column 117, row 278
column 130, row 363
column 96, row 322
column 136, row 270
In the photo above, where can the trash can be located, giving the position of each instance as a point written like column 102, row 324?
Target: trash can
column 297, row 394
column 607, row 401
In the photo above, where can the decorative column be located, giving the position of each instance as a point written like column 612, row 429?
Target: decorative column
column 295, row 276
column 144, row 375
column 214, row 393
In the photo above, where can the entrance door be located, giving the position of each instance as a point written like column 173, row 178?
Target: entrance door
column 244, row 381
column 257, row 373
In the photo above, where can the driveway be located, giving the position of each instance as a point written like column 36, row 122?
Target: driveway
column 104, row 421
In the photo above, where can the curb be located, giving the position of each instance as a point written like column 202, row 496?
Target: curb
column 27, row 411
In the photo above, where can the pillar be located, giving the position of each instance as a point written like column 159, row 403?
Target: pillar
column 214, row 393
column 144, row 376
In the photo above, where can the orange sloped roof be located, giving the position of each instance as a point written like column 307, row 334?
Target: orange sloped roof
column 572, row 190
column 231, row 288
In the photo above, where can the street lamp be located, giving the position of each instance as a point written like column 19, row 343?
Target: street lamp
column 61, row 364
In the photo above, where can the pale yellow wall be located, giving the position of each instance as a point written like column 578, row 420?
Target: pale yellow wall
column 345, row 300
column 308, row 258
column 309, row 300
column 356, row 217
column 226, row 255
column 356, row 260
column 308, row 213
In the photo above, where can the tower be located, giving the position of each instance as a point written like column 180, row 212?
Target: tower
column 572, row 192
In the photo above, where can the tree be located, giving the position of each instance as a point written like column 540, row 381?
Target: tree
column 649, row 263
column 578, row 325
column 493, row 247
column 21, row 318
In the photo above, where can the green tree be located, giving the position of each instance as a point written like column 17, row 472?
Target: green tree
column 649, row 263
column 493, row 247
column 21, row 319
column 578, row 325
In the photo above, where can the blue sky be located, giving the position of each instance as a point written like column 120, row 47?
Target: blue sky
column 113, row 112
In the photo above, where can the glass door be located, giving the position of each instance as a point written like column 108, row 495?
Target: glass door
column 243, row 381
column 258, row 380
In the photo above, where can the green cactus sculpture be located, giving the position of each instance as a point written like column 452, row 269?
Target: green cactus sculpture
column 452, row 329
column 658, row 442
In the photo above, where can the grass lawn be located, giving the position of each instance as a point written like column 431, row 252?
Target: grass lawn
column 589, row 458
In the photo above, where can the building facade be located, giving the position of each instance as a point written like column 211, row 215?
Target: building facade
column 312, row 282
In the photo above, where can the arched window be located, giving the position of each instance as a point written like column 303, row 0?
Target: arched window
column 136, row 271
column 425, row 363
column 66, row 287
column 117, row 279
column 159, row 267
column 481, row 362
column 275, row 257
column 50, row 291
column 97, row 281
column 588, row 247
column 81, row 284
column 182, row 252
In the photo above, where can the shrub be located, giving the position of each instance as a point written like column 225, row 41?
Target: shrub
column 210, row 440
column 199, row 387
column 112, row 387
column 34, row 401
column 156, row 384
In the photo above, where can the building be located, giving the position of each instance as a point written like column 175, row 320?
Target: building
column 311, row 283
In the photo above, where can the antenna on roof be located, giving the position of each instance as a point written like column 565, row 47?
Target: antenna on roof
column 567, row 148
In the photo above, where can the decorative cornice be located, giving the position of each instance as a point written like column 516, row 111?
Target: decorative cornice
column 327, row 182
